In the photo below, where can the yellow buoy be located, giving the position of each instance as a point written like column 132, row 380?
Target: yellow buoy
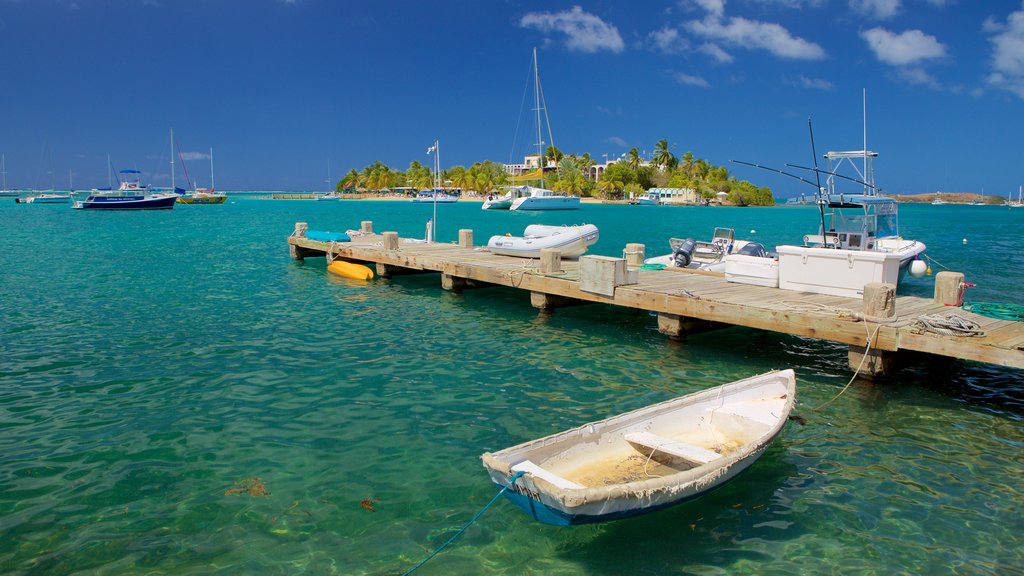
column 350, row 270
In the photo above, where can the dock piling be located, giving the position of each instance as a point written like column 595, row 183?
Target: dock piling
column 465, row 238
column 297, row 252
column 949, row 288
column 390, row 240
column 366, row 226
column 550, row 261
column 879, row 306
column 634, row 254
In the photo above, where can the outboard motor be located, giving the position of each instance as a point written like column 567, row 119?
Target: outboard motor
column 683, row 254
column 753, row 249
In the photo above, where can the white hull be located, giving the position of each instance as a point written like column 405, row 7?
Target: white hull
column 546, row 203
column 571, row 241
column 48, row 199
column 649, row 458
column 840, row 272
column 497, row 203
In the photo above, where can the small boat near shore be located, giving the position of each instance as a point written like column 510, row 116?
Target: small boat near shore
column 647, row 459
column 544, row 199
column 571, row 241
column 45, row 198
column 435, row 197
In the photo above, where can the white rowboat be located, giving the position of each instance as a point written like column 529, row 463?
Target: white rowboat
column 647, row 459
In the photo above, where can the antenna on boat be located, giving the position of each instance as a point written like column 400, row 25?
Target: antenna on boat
column 817, row 177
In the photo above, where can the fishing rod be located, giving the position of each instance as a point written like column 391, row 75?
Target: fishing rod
column 817, row 176
column 775, row 170
column 873, row 187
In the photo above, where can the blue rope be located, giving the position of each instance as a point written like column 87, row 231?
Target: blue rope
column 468, row 524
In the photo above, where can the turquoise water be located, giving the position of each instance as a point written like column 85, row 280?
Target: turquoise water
column 153, row 364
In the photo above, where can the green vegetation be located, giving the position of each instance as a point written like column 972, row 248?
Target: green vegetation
column 617, row 181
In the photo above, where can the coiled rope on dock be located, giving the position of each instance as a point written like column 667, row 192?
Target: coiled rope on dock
column 949, row 325
column 512, row 481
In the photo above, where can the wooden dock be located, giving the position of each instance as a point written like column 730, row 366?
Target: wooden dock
column 876, row 327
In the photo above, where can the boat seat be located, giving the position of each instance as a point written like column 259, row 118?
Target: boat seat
column 675, row 448
column 538, row 472
column 755, row 412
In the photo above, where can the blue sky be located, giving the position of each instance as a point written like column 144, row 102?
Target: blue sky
column 278, row 87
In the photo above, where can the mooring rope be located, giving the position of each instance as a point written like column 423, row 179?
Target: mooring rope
column 997, row 310
column 517, row 476
column 863, row 358
column 951, row 325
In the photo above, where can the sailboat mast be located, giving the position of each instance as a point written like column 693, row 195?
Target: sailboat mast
column 212, row 187
column 173, row 189
column 536, row 101
column 3, row 168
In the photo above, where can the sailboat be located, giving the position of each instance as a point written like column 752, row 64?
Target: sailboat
column 532, row 197
column 1020, row 199
column 4, row 192
column 203, row 195
column 333, row 194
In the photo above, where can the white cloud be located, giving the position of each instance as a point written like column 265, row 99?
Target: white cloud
column 755, row 35
column 910, row 47
column 919, row 76
column 617, row 141
column 668, row 41
column 689, row 80
column 585, row 32
column 880, row 9
column 815, row 83
column 715, row 51
column 1007, row 53
column 195, row 155
column 712, row 7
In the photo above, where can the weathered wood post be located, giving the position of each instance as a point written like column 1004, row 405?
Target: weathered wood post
column 390, row 240
column 296, row 252
column 465, row 238
column 634, row 254
column 550, row 261
column 949, row 288
column 453, row 284
column 879, row 306
column 366, row 226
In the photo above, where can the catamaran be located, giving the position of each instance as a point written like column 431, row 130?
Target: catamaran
column 538, row 198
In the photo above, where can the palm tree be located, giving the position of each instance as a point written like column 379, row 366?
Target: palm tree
column 633, row 160
column 351, row 180
column 663, row 156
column 688, row 163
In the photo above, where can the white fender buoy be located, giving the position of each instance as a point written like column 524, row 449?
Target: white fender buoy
column 965, row 240
column 918, row 268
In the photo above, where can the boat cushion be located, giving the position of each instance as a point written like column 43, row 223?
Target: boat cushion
column 535, row 470
column 323, row 236
column 673, row 447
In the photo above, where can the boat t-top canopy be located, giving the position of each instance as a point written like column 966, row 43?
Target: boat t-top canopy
column 131, row 171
